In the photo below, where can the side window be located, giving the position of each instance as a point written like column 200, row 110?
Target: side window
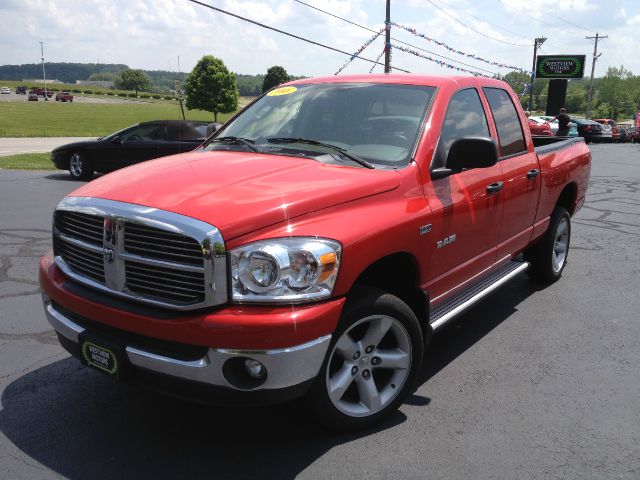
column 465, row 118
column 507, row 121
column 145, row 132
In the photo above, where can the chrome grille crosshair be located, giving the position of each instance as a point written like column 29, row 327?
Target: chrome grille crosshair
column 140, row 253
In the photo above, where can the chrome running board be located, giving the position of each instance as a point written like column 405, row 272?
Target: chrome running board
column 475, row 292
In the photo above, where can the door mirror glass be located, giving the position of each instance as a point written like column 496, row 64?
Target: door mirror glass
column 472, row 152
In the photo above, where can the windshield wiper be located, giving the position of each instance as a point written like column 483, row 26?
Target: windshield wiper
column 239, row 140
column 310, row 141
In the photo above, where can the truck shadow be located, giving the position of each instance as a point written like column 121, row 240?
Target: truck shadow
column 77, row 423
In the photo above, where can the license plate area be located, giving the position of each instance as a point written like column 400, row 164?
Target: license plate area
column 102, row 355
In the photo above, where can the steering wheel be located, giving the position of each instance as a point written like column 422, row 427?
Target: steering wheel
column 395, row 139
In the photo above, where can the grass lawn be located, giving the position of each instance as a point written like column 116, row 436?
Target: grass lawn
column 55, row 119
column 27, row 161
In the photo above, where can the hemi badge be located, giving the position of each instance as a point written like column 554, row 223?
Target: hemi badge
column 425, row 229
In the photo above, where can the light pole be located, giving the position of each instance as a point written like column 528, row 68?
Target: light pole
column 593, row 68
column 536, row 44
column 44, row 76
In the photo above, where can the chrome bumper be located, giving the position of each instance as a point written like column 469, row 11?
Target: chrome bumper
column 286, row 367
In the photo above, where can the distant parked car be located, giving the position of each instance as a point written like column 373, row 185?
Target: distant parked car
column 573, row 129
column 589, row 130
column 33, row 97
column 623, row 133
column 40, row 92
column 134, row 144
column 538, row 126
column 64, row 97
column 633, row 134
column 21, row 90
column 5, row 91
column 615, row 131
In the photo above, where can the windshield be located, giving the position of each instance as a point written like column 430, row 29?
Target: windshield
column 378, row 123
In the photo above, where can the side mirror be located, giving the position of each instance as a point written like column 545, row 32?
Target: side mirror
column 472, row 152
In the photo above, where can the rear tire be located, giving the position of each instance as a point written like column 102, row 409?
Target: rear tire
column 372, row 363
column 548, row 257
column 79, row 167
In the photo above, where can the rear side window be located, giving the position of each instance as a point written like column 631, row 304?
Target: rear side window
column 510, row 132
column 465, row 118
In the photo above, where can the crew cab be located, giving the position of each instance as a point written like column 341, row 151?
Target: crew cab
column 64, row 97
column 313, row 244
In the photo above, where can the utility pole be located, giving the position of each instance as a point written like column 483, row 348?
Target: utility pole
column 593, row 68
column 387, row 40
column 44, row 77
column 537, row 42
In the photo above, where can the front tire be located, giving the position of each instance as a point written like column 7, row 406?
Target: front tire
column 548, row 257
column 79, row 167
column 372, row 363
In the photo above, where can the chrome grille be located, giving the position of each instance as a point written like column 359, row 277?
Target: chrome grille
column 160, row 244
column 80, row 260
column 80, row 225
column 147, row 255
column 168, row 283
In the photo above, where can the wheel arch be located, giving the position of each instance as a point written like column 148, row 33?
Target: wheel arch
column 398, row 274
column 568, row 198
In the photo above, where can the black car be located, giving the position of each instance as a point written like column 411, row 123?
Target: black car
column 21, row 90
column 588, row 129
column 134, row 144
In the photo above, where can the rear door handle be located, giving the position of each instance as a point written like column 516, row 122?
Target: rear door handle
column 533, row 173
column 495, row 187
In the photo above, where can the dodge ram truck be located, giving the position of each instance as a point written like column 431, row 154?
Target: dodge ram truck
column 312, row 245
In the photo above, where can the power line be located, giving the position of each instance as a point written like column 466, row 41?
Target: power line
column 487, row 22
column 313, row 42
column 474, row 30
column 551, row 12
column 393, row 38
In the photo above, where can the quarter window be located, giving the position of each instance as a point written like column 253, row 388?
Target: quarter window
column 508, row 124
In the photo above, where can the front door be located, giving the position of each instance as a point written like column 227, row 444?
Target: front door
column 466, row 214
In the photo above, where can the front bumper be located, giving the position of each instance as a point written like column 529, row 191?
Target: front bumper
column 289, row 370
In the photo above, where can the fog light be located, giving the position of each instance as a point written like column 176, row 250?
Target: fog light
column 254, row 368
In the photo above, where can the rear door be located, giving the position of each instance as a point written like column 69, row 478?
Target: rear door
column 520, row 174
column 466, row 214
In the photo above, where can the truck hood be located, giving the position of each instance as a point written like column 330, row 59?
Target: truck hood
column 239, row 192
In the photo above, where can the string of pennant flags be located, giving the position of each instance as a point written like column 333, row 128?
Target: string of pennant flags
column 524, row 85
column 360, row 50
column 413, row 31
column 378, row 59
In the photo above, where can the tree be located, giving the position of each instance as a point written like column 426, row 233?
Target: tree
column 612, row 91
column 275, row 76
column 135, row 80
column 211, row 87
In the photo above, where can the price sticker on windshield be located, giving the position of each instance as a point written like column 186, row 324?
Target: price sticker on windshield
column 281, row 91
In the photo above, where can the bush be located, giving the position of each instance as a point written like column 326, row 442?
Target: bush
column 90, row 92
column 156, row 96
column 76, row 90
column 144, row 96
column 121, row 94
column 132, row 95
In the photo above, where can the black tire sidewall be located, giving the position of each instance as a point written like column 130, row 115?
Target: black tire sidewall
column 541, row 254
column 365, row 302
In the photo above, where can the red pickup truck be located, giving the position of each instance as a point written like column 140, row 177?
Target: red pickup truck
column 64, row 97
column 313, row 244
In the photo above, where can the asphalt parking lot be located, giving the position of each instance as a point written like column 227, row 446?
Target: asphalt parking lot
column 532, row 383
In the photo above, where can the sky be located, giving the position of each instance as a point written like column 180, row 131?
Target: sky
column 154, row 34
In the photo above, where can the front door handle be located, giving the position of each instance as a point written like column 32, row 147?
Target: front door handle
column 533, row 173
column 495, row 187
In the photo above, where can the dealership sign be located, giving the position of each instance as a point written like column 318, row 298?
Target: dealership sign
column 560, row 66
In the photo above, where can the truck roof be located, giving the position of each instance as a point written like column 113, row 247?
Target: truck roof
column 406, row 79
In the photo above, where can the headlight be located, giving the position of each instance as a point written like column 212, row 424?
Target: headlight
column 284, row 270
